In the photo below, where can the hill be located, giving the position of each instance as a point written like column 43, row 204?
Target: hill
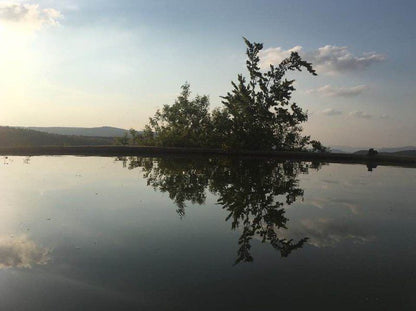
column 398, row 149
column 360, row 150
column 405, row 153
column 104, row 131
column 18, row 137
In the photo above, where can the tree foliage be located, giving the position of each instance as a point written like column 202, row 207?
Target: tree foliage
column 184, row 124
column 259, row 108
column 256, row 115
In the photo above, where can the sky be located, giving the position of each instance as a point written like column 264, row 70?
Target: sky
column 101, row 62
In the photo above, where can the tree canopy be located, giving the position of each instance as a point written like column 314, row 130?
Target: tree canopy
column 257, row 114
column 187, row 123
column 259, row 108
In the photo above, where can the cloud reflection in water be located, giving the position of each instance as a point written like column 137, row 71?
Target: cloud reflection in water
column 21, row 252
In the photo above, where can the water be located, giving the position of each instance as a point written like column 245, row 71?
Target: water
column 90, row 233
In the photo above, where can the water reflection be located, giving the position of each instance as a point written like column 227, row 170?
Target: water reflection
column 329, row 232
column 371, row 166
column 254, row 193
column 21, row 252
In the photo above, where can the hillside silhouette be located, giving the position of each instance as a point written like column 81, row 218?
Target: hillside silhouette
column 103, row 131
column 18, row 137
column 406, row 153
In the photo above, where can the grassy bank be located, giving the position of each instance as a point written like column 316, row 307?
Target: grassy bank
column 158, row 151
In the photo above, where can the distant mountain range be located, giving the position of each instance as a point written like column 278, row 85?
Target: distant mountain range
column 23, row 137
column 406, row 153
column 398, row 149
column 348, row 149
column 104, row 131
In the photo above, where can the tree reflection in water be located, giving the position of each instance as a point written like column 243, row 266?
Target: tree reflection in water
column 254, row 192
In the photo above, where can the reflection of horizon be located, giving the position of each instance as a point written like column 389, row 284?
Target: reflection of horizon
column 254, row 192
column 21, row 252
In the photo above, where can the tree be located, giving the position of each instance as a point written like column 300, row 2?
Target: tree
column 372, row 152
column 257, row 115
column 184, row 124
column 318, row 147
column 258, row 111
column 124, row 140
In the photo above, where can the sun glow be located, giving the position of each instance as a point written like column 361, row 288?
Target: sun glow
column 20, row 25
column 16, row 62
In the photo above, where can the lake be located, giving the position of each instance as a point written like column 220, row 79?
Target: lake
column 176, row 233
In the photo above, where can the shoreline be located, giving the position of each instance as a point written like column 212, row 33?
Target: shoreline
column 380, row 159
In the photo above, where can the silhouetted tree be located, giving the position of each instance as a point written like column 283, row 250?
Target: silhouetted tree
column 372, row 152
column 184, row 124
column 318, row 147
column 123, row 140
column 259, row 111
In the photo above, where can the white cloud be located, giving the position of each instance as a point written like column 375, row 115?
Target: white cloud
column 20, row 252
column 328, row 59
column 360, row 114
column 28, row 16
column 337, row 59
column 331, row 112
column 332, row 91
column 276, row 55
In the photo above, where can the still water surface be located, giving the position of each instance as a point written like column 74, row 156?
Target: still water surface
column 96, row 233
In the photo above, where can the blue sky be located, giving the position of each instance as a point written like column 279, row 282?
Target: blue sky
column 93, row 63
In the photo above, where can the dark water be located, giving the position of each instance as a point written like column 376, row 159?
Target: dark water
column 205, row 234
